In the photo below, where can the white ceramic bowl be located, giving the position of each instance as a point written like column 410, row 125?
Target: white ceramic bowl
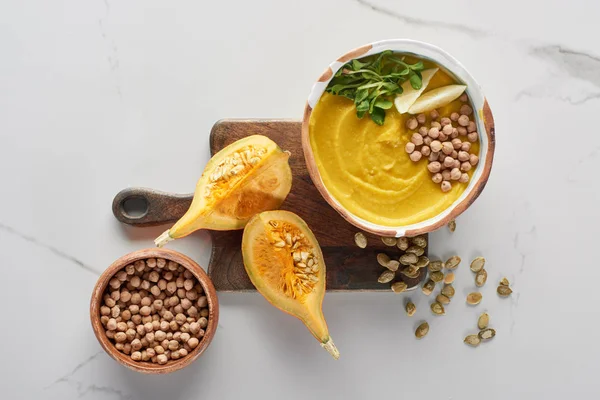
column 483, row 119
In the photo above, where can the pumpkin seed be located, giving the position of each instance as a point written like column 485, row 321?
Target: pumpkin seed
column 408, row 259
column 411, row 271
column 437, row 308
column 422, row 262
column 504, row 291
column 481, row 278
column 483, row 321
column 383, row 259
column 422, row 330
column 419, row 241
column 435, row 266
column 411, row 309
column 402, row 243
column 389, row 241
column 428, row 287
column 504, row 282
column 386, row 276
column 445, row 300
column 416, row 250
column 487, row 334
column 477, row 264
column 449, row 278
column 474, row 298
column 452, row 225
column 452, row 262
column 448, row 291
column 436, row 276
column 399, row 287
column 360, row 239
column 472, row 340
column 393, row 265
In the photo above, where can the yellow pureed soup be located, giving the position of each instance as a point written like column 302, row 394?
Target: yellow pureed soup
column 366, row 168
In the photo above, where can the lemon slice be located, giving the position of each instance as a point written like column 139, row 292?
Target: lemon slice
column 409, row 94
column 436, row 98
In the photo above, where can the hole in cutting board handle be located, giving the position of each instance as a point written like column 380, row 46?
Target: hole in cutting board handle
column 134, row 207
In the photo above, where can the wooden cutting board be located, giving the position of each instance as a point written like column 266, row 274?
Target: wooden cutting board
column 349, row 268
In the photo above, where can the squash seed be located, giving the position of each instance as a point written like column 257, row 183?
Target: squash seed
column 416, row 250
column 386, row 276
column 402, row 243
column 483, row 321
column 422, row 330
column 436, row 276
column 435, row 266
column 422, row 262
column 452, row 225
column 504, row 291
column 452, row 262
column 474, row 298
column 411, row 271
column 383, row 259
column 437, row 308
column 399, row 287
column 448, row 291
column 445, row 300
column 481, row 278
column 477, row 264
column 419, row 241
column 408, row 259
column 360, row 239
column 472, row 340
column 393, row 265
column 449, row 278
column 428, row 287
column 487, row 334
column 389, row 241
column 411, row 309
column 504, row 282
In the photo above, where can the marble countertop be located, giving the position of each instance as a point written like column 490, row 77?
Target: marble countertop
column 97, row 96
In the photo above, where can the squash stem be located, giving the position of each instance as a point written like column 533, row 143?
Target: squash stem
column 331, row 349
column 163, row 239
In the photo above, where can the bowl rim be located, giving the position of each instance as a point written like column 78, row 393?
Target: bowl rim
column 484, row 121
column 170, row 255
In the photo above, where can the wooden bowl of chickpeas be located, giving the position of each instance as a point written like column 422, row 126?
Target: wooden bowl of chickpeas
column 154, row 310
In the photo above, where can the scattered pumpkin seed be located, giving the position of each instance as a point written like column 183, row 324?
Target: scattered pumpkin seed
column 422, row 262
column 393, row 265
column 383, row 259
column 434, row 266
column 474, row 298
column 419, row 241
column 399, row 287
column 386, row 276
column 402, row 243
column 449, row 278
column 445, row 300
column 504, row 282
column 389, row 241
column 422, row 330
column 448, row 291
column 477, row 264
column 437, row 276
column 504, row 291
column 487, row 334
column 452, row 225
column 416, row 250
column 437, row 308
column 360, row 239
column 483, row 321
column 411, row 309
column 481, row 278
column 428, row 287
column 472, row 340
column 452, row 262
column 408, row 259
column 411, row 271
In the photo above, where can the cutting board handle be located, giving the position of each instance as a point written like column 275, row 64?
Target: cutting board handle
column 139, row 206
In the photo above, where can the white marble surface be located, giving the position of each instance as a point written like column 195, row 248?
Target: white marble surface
column 99, row 95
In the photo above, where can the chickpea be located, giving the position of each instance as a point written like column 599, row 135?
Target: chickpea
column 104, row 320
column 104, row 310
column 130, row 334
column 447, row 130
column 466, row 166
column 115, row 295
column 148, row 327
column 463, row 97
column 168, row 316
column 162, row 359
column 114, row 283
column 456, row 143
column 181, row 293
column 155, row 290
column 145, row 285
column 121, row 326
column 180, row 319
column 186, row 347
column 130, row 269
column 445, row 175
column 409, row 147
column 436, row 178
column 437, row 125
column 464, row 178
column 162, row 284
column 433, row 133
column 190, row 320
column 145, row 311
column 136, row 319
column 192, row 311
column 161, row 262
column 203, row 322
column 125, row 296
column 193, row 342
column 111, row 325
column 120, row 337
column 463, row 120
column 149, row 337
column 454, row 133
column 442, row 136
column 447, row 148
column 115, row 311
column 427, row 140
column 140, row 265
column 155, row 324
column 173, row 344
column 172, row 266
column 171, row 287
column 201, row 333
column 436, row 146
column 455, row 174
column 425, row 151
column 454, row 116
column 472, row 137
column 184, row 337
column 433, row 156
column 412, row 123
column 109, row 302
column 151, row 352
column 434, row 167
column 179, row 281
column 446, row 121
column 421, row 118
column 465, row 109
column 146, row 318
column 173, row 325
column 185, row 328
column 415, row 156
column 153, row 276
column 463, row 156
column 183, row 352
column 173, row 301
column 454, row 154
column 446, row 186
column 186, row 304
column 135, row 281
column 178, row 309
column 177, row 336
column 119, row 346
column 136, row 356
column 472, row 127
column 462, row 131
column 417, row 139
column 423, row 131
column 434, row 114
column 466, row 146
column 169, row 337
column 473, row 159
column 168, row 275
column 441, row 157
column 160, row 336
column 448, row 162
column 127, row 348
column 134, row 309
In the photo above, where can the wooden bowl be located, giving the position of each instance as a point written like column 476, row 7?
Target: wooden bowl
column 146, row 366
column 483, row 119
